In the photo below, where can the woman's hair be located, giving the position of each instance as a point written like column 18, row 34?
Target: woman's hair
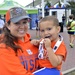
column 10, row 40
column 50, row 18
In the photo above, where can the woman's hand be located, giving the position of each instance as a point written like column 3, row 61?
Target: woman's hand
column 35, row 42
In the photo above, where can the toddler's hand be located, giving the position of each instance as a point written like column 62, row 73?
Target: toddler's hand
column 47, row 42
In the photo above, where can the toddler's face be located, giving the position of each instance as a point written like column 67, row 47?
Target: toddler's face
column 49, row 30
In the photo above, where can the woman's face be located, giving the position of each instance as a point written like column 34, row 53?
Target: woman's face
column 18, row 29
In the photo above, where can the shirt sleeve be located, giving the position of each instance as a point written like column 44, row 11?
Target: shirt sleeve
column 62, row 51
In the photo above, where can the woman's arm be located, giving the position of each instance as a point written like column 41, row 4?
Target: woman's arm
column 10, row 64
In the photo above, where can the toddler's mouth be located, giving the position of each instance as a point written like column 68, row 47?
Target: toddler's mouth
column 47, row 36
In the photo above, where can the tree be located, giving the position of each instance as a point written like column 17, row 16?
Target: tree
column 71, row 5
column 59, row 4
column 48, row 4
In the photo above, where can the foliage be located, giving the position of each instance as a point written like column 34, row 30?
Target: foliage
column 48, row 4
column 71, row 5
column 59, row 4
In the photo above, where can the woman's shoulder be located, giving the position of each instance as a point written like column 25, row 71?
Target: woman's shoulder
column 4, row 48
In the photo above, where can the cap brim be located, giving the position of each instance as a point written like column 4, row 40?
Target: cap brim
column 17, row 19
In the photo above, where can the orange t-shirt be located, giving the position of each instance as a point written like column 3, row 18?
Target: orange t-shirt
column 60, row 51
column 23, row 64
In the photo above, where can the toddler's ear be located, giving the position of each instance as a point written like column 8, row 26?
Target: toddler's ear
column 59, row 28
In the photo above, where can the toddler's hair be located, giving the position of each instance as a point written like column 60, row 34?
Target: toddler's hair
column 50, row 18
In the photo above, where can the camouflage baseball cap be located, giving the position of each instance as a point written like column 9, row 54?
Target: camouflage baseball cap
column 16, row 14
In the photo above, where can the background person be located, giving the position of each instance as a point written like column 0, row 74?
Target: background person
column 71, row 30
column 63, row 19
column 1, row 24
column 37, row 28
column 17, row 55
column 4, row 18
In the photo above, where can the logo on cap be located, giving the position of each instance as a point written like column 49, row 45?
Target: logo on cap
column 15, row 12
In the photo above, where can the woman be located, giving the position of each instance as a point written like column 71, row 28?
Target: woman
column 17, row 55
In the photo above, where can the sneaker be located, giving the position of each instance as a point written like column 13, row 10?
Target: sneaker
column 71, row 45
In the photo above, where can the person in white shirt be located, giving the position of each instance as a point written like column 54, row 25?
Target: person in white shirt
column 1, row 24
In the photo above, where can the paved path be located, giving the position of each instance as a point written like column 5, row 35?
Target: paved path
column 70, row 61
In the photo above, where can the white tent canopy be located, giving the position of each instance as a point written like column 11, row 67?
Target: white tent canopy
column 7, row 4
